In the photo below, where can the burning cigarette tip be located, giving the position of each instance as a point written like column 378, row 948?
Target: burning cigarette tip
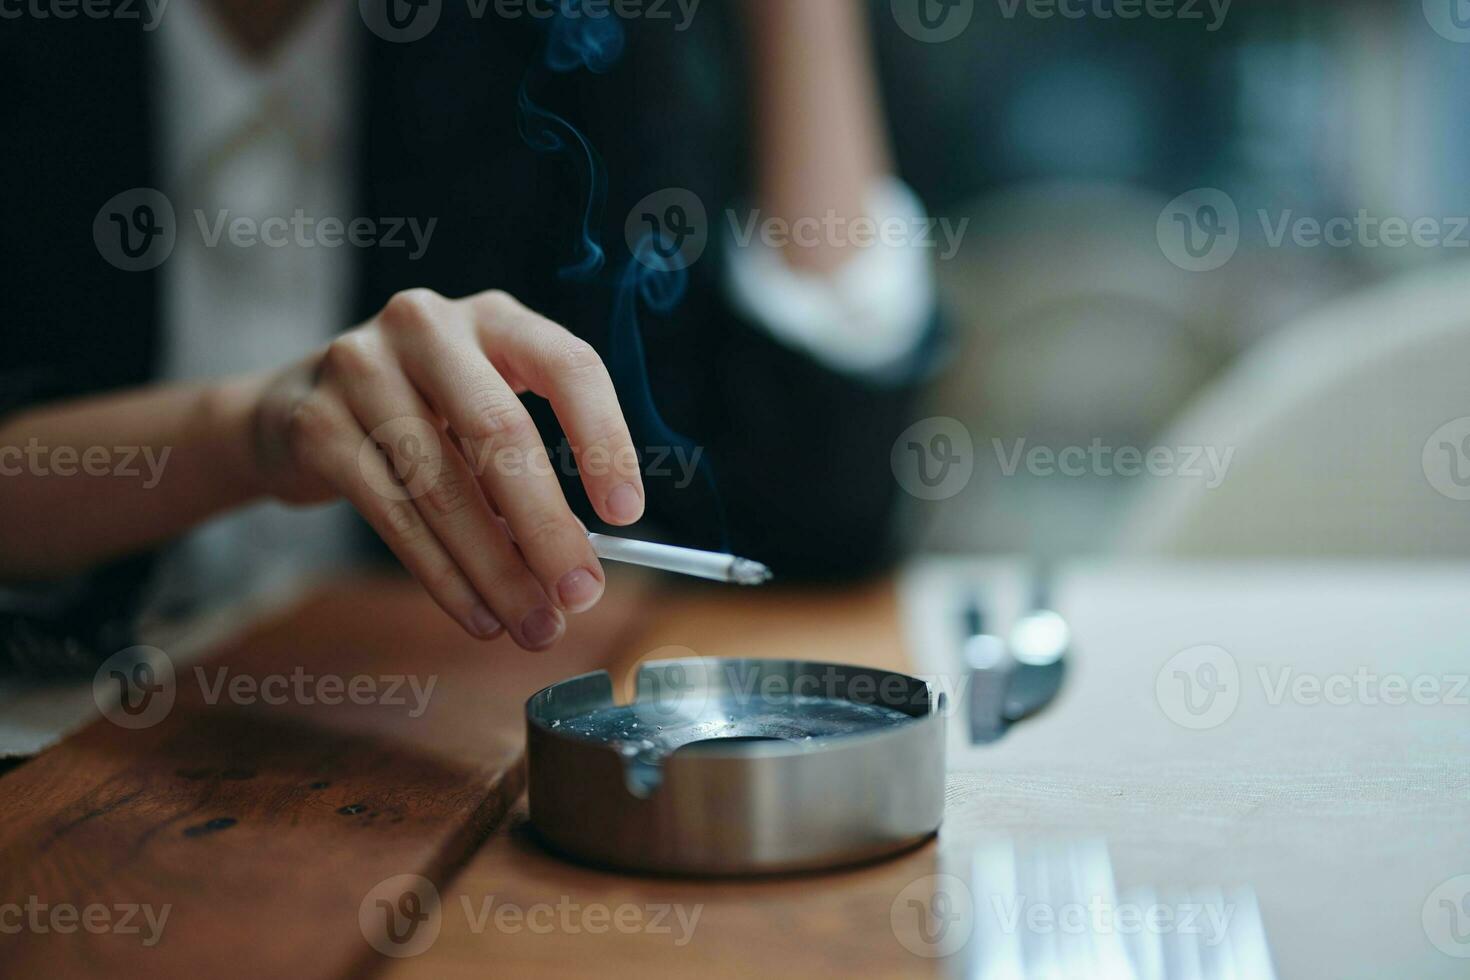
column 747, row 572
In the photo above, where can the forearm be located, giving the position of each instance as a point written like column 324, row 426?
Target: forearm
column 820, row 142
column 85, row 481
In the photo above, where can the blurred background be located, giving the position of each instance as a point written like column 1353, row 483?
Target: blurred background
column 1326, row 368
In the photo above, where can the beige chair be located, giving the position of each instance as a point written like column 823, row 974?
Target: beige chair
column 1071, row 324
column 1344, row 433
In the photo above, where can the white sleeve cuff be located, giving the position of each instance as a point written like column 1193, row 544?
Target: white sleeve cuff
column 866, row 316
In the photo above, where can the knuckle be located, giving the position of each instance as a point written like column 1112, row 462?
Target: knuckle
column 413, row 309
column 445, row 580
column 542, row 529
column 504, row 420
column 350, row 354
column 447, row 494
column 495, row 300
column 511, row 588
column 606, row 433
column 311, row 423
column 403, row 521
column 573, row 356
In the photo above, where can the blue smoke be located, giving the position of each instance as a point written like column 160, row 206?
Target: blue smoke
column 648, row 280
column 580, row 41
column 576, row 41
column 572, row 44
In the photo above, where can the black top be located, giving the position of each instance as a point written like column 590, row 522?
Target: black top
column 800, row 453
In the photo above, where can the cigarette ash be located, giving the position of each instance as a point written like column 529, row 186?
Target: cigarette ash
column 747, row 572
column 646, row 735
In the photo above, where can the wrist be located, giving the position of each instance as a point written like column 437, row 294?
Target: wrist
column 229, row 409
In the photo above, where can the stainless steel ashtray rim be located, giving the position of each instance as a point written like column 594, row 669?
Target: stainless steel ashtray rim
column 857, row 772
column 917, row 698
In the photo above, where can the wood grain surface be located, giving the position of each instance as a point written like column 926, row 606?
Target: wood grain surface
column 264, row 830
column 261, row 828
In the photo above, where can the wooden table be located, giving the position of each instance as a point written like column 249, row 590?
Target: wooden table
column 263, row 828
column 267, row 831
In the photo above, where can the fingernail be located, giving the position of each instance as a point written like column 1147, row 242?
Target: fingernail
column 579, row 590
column 625, row 504
column 541, row 628
column 483, row 622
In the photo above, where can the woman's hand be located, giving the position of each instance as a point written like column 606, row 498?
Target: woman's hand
column 415, row 418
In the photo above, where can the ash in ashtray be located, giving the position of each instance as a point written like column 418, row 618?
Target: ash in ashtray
column 651, row 732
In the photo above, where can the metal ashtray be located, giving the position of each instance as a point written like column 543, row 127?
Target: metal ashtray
column 736, row 767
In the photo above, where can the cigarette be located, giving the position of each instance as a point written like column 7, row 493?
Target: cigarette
column 684, row 561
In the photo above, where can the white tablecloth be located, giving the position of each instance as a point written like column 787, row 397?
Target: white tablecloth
column 1347, row 819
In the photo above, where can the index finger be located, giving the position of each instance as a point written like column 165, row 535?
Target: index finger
column 550, row 361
